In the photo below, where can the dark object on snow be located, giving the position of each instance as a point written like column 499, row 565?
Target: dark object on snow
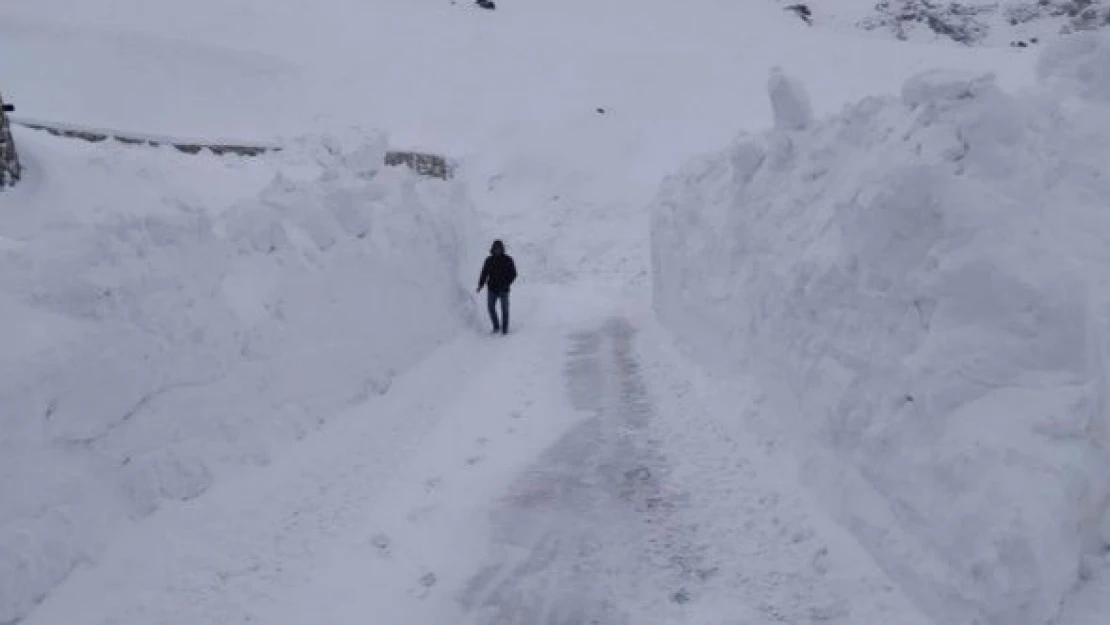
column 499, row 273
column 432, row 165
column 600, row 111
column 486, row 4
column 801, row 11
column 10, row 169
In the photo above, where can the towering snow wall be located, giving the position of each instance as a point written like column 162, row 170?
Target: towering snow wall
column 923, row 286
column 156, row 340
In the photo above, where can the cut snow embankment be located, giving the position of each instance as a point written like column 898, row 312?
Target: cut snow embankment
column 168, row 319
column 922, row 285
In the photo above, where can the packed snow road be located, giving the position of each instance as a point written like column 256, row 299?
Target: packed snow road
column 519, row 479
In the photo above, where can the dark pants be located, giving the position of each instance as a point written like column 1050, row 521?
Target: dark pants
column 492, row 297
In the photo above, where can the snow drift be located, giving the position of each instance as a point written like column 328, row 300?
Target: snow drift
column 168, row 319
column 922, row 284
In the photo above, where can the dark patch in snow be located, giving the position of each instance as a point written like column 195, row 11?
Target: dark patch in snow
column 802, row 11
column 969, row 23
column 382, row 543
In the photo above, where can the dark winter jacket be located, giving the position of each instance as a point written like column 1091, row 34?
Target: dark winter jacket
column 498, row 272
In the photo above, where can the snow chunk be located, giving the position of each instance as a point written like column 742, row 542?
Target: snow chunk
column 746, row 159
column 789, row 101
column 349, row 151
column 938, row 86
column 920, row 286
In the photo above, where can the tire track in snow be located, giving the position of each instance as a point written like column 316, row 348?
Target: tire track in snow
column 776, row 555
column 589, row 534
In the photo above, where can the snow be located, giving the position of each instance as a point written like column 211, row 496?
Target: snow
column 271, row 394
column 1078, row 64
column 314, row 505
column 789, row 102
column 1011, row 23
column 160, row 309
column 511, row 492
column 916, row 285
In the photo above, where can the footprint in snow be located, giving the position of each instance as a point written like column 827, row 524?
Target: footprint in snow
column 381, row 543
column 424, row 586
column 473, row 460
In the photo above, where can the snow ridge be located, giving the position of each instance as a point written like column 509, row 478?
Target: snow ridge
column 918, row 284
column 163, row 346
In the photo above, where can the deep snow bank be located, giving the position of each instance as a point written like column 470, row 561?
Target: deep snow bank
column 167, row 319
column 923, row 285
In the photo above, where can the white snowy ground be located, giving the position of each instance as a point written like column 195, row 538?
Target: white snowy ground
column 535, row 484
column 579, row 469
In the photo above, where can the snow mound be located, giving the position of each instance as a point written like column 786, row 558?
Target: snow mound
column 789, row 102
column 923, row 287
column 158, row 338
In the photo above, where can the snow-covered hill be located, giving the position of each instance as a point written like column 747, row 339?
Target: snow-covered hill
column 1015, row 23
column 920, row 284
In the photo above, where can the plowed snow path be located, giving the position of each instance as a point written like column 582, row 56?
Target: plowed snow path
column 521, row 479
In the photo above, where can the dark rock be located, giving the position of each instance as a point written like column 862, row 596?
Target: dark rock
column 802, row 11
column 10, row 169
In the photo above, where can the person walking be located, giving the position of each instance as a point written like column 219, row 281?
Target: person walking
column 498, row 274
